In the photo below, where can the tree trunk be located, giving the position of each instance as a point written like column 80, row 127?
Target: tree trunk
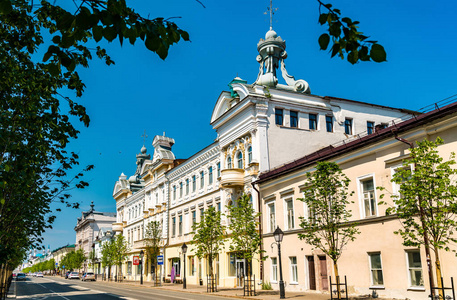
column 337, row 276
column 438, row 272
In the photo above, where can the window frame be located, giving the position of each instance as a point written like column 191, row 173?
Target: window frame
column 180, row 227
column 370, row 256
column 239, row 160
column 313, row 121
column 329, row 123
column 194, row 183
column 274, row 270
column 293, row 270
column 202, row 179
column 286, row 211
column 348, row 126
column 210, row 175
column 408, row 270
column 173, row 226
column 370, row 129
column 293, row 119
column 279, row 116
column 270, row 206
column 360, row 181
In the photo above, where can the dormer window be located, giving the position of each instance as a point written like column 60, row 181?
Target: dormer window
column 240, row 160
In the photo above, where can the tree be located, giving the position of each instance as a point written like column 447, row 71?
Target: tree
column 345, row 37
column 92, row 258
column 108, row 255
column 36, row 119
column 244, row 230
column 209, row 236
column 152, row 238
column 426, row 203
column 326, row 227
column 120, row 250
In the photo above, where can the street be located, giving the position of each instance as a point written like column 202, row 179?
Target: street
column 58, row 288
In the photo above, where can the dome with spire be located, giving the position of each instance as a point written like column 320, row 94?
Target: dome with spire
column 271, row 34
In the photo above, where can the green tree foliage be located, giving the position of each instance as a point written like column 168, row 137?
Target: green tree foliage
column 73, row 260
column 152, row 238
column 326, row 227
column 244, row 230
column 209, row 236
column 35, row 119
column 428, row 186
column 120, row 250
column 108, row 255
column 345, row 37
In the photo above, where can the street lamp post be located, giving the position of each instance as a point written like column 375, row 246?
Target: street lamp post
column 184, row 250
column 141, row 266
column 278, row 235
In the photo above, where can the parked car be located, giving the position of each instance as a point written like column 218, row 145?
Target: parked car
column 21, row 276
column 88, row 276
column 73, row 275
column 39, row 274
column 66, row 274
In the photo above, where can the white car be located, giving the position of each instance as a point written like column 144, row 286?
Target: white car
column 73, row 275
column 39, row 274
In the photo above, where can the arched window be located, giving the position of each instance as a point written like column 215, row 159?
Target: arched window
column 249, row 154
column 229, row 162
column 240, row 160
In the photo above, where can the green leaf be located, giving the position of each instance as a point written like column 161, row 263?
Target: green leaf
column 109, row 33
column 323, row 19
column 2, row 201
column 324, row 39
column 377, row 53
column 335, row 49
column 152, row 42
column 56, row 39
column 353, row 57
column 97, row 33
column 335, row 29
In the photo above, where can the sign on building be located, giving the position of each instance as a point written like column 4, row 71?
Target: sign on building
column 136, row 260
column 160, row 260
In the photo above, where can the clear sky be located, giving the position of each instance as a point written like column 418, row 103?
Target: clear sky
column 176, row 96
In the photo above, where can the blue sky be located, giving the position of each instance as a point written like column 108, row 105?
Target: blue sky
column 177, row 96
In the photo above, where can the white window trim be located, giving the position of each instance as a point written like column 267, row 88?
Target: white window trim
column 286, row 223
column 291, row 270
column 271, row 274
column 360, row 194
column 395, row 186
column 372, row 285
column 410, row 287
column 269, row 204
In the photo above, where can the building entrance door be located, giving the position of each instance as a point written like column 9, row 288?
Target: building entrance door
column 323, row 269
column 240, row 266
column 311, row 273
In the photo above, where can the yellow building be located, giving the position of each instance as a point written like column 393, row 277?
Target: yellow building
column 376, row 260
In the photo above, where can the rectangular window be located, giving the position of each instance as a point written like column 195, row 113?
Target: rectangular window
column 293, row 269
column 180, row 189
column 370, row 127
column 194, row 183
column 376, row 269
column 210, row 175
column 173, row 226
column 329, row 123
column 187, row 186
column 274, row 269
column 202, row 179
column 202, row 210
column 293, row 118
column 289, row 213
column 348, row 126
column 194, row 217
column 272, row 217
column 218, row 204
column 279, row 116
column 174, row 192
column 192, row 266
column 312, row 122
column 415, row 268
column 232, row 264
column 218, row 169
column 369, row 200
column 180, row 225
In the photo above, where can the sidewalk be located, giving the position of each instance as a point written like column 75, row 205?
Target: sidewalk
column 236, row 293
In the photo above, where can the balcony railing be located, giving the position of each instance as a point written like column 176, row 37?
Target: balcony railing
column 232, row 177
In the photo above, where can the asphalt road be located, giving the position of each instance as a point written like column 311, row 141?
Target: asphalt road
column 58, row 288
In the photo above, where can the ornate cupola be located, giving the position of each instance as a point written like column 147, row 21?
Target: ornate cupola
column 272, row 53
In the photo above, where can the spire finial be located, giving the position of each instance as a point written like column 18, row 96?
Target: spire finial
column 144, row 136
column 92, row 206
column 272, row 12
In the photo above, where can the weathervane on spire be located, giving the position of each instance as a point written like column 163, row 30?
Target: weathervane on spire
column 272, row 12
column 144, row 136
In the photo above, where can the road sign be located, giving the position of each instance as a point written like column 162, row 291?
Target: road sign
column 136, row 260
column 57, row 264
column 160, row 260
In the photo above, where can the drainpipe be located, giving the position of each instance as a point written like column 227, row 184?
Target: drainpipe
column 422, row 218
column 260, row 230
